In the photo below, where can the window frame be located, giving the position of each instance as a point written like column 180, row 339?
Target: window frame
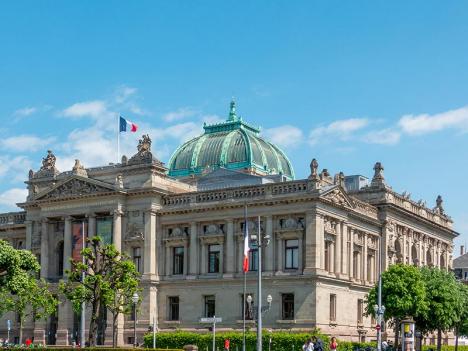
column 208, row 300
column 137, row 258
column 178, row 260
column 287, row 306
column 214, row 255
column 294, row 249
column 173, row 306
column 332, row 308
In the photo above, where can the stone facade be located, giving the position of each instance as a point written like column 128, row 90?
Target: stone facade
column 188, row 244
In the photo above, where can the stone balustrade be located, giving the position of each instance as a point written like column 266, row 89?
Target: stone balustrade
column 12, row 218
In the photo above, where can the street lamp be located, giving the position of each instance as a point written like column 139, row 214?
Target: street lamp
column 379, row 311
column 135, row 299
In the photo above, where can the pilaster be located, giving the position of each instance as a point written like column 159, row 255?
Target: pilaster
column 193, row 266
column 45, row 248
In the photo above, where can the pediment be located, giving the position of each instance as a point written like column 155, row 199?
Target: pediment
column 337, row 196
column 75, row 186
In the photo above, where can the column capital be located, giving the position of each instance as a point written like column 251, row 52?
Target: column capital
column 90, row 215
column 118, row 212
column 45, row 220
column 151, row 211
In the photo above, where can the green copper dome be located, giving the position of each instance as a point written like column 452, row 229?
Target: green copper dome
column 234, row 145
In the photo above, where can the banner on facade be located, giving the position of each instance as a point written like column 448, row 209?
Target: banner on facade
column 104, row 229
column 77, row 236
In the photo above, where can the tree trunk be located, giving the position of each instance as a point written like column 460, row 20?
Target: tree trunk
column 21, row 330
column 456, row 339
column 439, row 339
column 93, row 323
column 114, row 329
column 397, row 334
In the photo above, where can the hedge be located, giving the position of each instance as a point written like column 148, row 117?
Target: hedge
column 280, row 341
column 445, row 347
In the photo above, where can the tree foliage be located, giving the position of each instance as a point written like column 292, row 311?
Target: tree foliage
column 16, row 267
column 106, row 271
column 403, row 293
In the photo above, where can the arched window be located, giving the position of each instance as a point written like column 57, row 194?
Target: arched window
column 398, row 252
column 414, row 255
column 442, row 261
column 429, row 261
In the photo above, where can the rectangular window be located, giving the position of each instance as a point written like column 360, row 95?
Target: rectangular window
column 178, row 260
column 210, row 304
column 287, row 306
column 173, row 308
column 213, row 258
column 360, row 306
column 332, row 307
column 355, row 264
column 291, row 254
column 253, row 264
column 137, row 258
column 369, row 268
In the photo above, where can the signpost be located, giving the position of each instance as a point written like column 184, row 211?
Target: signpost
column 213, row 320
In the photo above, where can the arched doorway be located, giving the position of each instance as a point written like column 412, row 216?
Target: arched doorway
column 414, row 255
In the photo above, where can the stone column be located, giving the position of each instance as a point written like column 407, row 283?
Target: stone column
column 280, row 250
column 228, row 250
column 67, row 244
column 270, row 249
column 300, row 258
column 364, row 259
column 203, row 261
column 168, row 261
column 149, row 254
column 359, row 266
column 331, row 257
column 117, row 235
column 344, row 248
column 410, row 247
column 185, row 258
column 351, row 254
column 337, row 253
column 221, row 259
column 405, row 247
column 193, row 267
column 45, row 248
column 91, row 225
column 314, row 242
column 29, row 230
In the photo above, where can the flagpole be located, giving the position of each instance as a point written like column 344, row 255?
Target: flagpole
column 118, row 138
column 245, row 284
column 83, row 305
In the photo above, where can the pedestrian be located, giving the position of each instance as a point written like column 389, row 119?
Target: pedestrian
column 384, row 345
column 333, row 344
column 318, row 344
column 308, row 345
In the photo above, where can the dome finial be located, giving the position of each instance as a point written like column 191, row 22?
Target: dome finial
column 232, row 110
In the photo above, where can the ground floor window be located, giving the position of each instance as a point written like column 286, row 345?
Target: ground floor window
column 287, row 306
column 173, row 308
column 210, row 304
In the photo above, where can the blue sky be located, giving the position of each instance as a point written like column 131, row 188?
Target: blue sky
column 348, row 83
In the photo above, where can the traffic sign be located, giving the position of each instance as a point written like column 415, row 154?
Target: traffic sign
column 377, row 327
column 9, row 325
column 211, row 320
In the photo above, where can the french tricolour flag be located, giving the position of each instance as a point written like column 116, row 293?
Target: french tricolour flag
column 245, row 265
column 126, row 125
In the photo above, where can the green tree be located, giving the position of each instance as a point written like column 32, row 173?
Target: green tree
column 445, row 300
column 461, row 328
column 403, row 294
column 16, row 267
column 104, row 265
column 33, row 299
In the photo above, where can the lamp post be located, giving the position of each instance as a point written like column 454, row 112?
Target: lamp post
column 256, row 314
column 260, row 241
column 135, row 299
column 379, row 311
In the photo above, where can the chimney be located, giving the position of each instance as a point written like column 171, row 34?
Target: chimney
column 462, row 250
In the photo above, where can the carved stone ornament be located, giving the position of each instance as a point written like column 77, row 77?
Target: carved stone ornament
column 313, row 169
column 337, row 197
column 75, row 187
column 48, row 168
column 78, row 169
column 144, row 154
column 290, row 223
column 439, row 207
column 330, row 226
column 119, row 181
column 378, row 178
column 212, row 229
column 329, row 237
column 134, row 232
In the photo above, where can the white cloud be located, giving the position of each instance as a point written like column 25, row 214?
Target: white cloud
column 10, row 197
column 285, row 136
column 178, row 114
column 95, row 108
column 385, row 136
column 25, row 111
column 25, row 143
column 14, row 168
column 212, row 119
column 123, row 93
column 425, row 123
column 341, row 129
